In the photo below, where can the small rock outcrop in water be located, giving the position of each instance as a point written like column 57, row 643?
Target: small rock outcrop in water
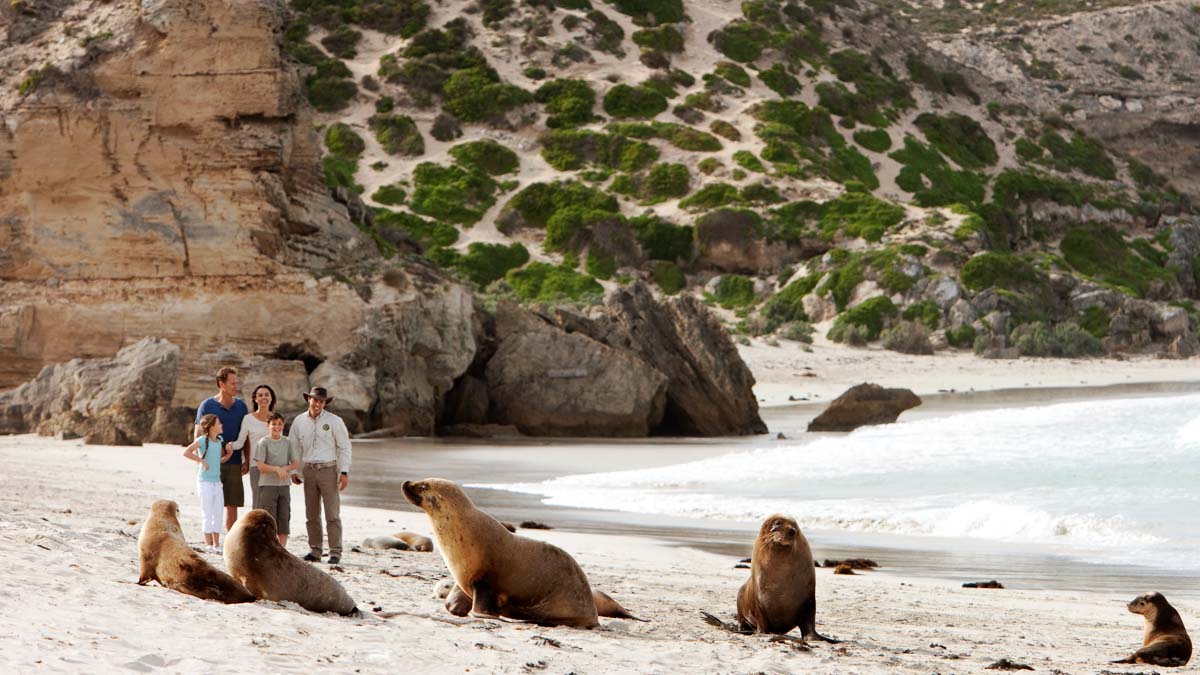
column 864, row 404
column 117, row 401
column 983, row 584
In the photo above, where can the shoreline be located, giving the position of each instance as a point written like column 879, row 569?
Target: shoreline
column 73, row 559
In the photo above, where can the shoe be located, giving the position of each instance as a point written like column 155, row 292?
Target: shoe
column 333, row 559
column 309, row 557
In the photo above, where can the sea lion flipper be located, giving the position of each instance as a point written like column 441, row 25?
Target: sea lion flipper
column 458, row 602
column 484, row 602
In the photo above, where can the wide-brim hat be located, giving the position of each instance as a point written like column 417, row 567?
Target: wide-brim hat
column 318, row 393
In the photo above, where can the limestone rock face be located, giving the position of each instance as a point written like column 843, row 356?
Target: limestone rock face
column 111, row 401
column 573, row 386
column 709, row 387
column 864, row 404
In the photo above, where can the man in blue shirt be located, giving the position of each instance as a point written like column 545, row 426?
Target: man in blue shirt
column 230, row 411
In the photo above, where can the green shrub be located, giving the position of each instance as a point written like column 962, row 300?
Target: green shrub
column 787, row 306
column 960, row 138
column 1021, row 187
column 725, row 129
column 922, row 165
column 341, row 42
column 1080, row 153
column 1064, row 340
column 940, row 82
column 534, row 73
column 656, row 11
column 662, row 182
column 662, row 240
column 1095, row 320
column 760, row 194
column 741, row 40
column 571, row 149
column 626, row 101
column 780, row 81
column 566, row 223
column 663, row 39
column 445, row 128
column 486, row 156
column 428, row 233
column 535, row 204
column 860, row 215
column 748, row 161
column 1001, row 270
column 734, row 290
column 342, row 141
column 732, row 72
column 907, row 337
column 1028, row 150
column 495, row 11
column 391, row 195
column 651, row 11
column 1101, row 252
column 669, row 277
column 925, row 312
column 394, row 17
column 329, row 93
column 679, row 135
column 870, row 317
column 876, row 140
column 451, row 193
column 799, row 331
column 600, row 265
column 607, row 35
column 397, row 134
column 339, row 172
column 542, row 282
column 709, row 165
column 476, row 94
column 962, row 337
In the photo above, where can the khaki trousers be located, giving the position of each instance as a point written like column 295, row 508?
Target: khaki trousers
column 321, row 488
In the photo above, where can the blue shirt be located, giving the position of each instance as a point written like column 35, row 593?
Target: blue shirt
column 231, row 420
column 210, row 451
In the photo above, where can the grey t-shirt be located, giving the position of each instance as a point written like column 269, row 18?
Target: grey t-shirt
column 276, row 453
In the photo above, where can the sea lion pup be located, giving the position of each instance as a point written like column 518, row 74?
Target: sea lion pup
column 504, row 574
column 781, row 592
column 255, row 557
column 1165, row 641
column 459, row 603
column 385, row 542
column 167, row 559
column 415, row 541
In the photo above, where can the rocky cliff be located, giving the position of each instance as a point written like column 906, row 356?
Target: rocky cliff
column 160, row 176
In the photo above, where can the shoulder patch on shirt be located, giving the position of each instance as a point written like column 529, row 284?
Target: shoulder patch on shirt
column 325, row 427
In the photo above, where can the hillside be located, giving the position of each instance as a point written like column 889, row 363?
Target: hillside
column 838, row 163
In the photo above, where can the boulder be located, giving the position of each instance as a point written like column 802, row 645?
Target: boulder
column 961, row 313
column 819, row 308
column 864, row 404
column 945, row 291
column 549, row 382
column 709, row 387
column 1170, row 322
column 353, row 393
column 107, row 401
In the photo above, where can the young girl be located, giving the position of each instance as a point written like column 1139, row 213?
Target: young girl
column 209, row 451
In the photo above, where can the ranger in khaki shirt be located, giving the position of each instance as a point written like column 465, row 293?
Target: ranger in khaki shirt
column 324, row 446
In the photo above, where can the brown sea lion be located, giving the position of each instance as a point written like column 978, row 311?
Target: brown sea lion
column 255, row 557
column 415, row 541
column 458, row 603
column 504, row 574
column 386, row 543
column 781, row 592
column 1165, row 641
column 167, row 559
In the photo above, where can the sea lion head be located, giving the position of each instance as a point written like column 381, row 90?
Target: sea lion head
column 259, row 526
column 779, row 530
column 166, row 513
column 434, row 495
column 1147, row 604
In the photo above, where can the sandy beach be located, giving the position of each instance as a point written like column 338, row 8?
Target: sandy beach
column 71, row 602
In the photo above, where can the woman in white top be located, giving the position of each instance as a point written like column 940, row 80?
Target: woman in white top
column 254, row 429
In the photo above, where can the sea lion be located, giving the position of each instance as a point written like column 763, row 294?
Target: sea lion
column 415, row 541
column 385, row 542
column 1165, row 641
column 167, row 559
column 504, row 574
column 458, row 603
column 255, row 557
column 781, row 592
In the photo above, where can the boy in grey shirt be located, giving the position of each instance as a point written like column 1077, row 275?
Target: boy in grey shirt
column 276, row 457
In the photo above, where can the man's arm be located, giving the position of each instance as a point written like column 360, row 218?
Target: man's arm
column 341, row 442
column 294, row 437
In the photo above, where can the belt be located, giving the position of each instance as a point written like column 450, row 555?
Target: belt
column 320, row 465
